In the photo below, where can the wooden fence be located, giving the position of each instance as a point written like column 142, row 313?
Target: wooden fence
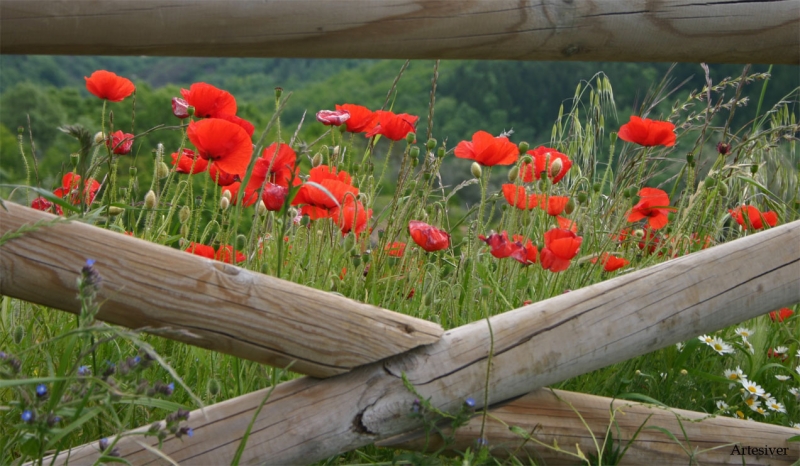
column 353, row 394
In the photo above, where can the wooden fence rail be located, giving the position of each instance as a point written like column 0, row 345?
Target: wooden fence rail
column 216, row 305
column 738, row 31
column 310, row 419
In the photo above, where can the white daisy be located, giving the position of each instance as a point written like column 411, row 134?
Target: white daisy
column 748, row 346
column 782, row 378
column 797, row 369
column 796, row 425
column 706, row 339
column 721, row 347
column 762, row 411
column 775, row 406
column 780, row 350
column 752, row 402
column 735, row 374
column 795, row 391
column 752, row 388
column 744, row 332
column 722, row 406
column 680, row 346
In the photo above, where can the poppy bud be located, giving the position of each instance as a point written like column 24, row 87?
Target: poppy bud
column 555, row 167
column 213, row 387
column 440, row 153
column 709, row 182
column 162, row 171
column 523, row 147
column 184, row 214
column 754, row 169
column 723, row 188
column 261, row 208
column 414, row 152
column 431, row 144
column 410, row 138
column 150, row 199
column 132, row 171
column 638, row 233
column 513, row 174
column 427, row 299
column 317, row 160
column 723, row 148
column 570, row 207
column 19, row 334
column 224, row 203
column 476, row 170
column 582, row 197
column 335, row 151
column 99, row 137
column 227, row 194
column 597, row 187
column 180, row 108
column 184, row 230
column 114, row 211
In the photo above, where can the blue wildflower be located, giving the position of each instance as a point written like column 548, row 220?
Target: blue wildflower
column 41, row 390
column 470, row 402
column 27, row 416
column 83, row 371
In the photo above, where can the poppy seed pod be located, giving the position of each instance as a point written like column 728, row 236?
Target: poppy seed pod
column 639, row 233
column 431, row 144
column 526, row 159
column 150, row 199
column 754, row 169
column 414, row 152
column 224, row 202
column 440, row 153
column 476, row 170
column 410, row 138
column 523, row 148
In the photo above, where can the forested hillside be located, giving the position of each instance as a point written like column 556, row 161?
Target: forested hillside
column 495, row 96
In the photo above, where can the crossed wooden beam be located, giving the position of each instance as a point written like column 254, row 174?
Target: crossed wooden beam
column 244, row 313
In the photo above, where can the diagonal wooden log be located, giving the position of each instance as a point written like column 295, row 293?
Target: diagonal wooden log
column 306, row 420
column 736, row 31
column 227, row 308
column 552, row 416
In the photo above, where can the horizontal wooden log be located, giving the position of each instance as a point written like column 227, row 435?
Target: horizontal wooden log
column 611, row 30
column 227, row 308
column 306, row 420
column 552, row 416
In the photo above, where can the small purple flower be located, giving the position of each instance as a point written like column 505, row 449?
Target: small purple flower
column 171, row 387
column 415, row 406
column 90, row 262
column 481, row 442
column 470, row 402
column 83, row 371
column 41, row 390
column 28, row 416
column 137, row 359
column 103, row 443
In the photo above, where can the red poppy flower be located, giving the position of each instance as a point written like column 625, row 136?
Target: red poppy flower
column 501, row 246
column 554, row 205
column 351, row 216
column 361, row 118
column 222, row 178
column 543, row 160
column 314, row 212
column 201, row 250
column 246, row 125
column 44, row 205
column 120, row 143
column 274, row 196
column 109, row 86
column 428, row 237
column 781, row 314
column 227, row 254
column 333, row 117
column 653, row 205
column 567, row 224
column 70, row 187
column 180, row 108
column 647, row 132
column 188, row 162
column 488, row 150
column 396, row 249
column 610, row 262
column 750, row 217
column 209, row 101
column 528, row 254
column 275, row 168
column 560, row 246
column 226, row 143
column 393, row 126
column 336, row 183
column 519, row 198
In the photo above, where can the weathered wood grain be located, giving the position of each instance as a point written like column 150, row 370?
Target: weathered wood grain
column 229, row 309
column 738, row 31
column 552, row 416
column 307, row 420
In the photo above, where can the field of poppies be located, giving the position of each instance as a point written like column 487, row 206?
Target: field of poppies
column 363, row 211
